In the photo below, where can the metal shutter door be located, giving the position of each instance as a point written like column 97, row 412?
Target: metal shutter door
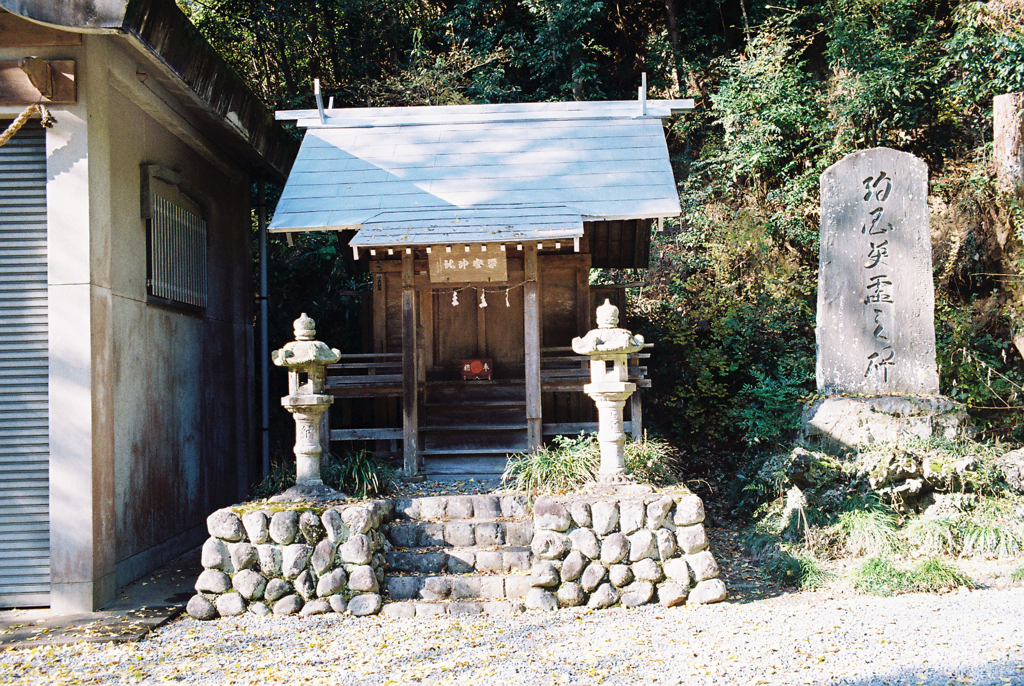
column 24, row 423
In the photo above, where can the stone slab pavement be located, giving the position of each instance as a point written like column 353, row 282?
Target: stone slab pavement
column 140, row 607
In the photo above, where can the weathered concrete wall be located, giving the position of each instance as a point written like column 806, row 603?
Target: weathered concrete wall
column 81, row 574
column 180, row 383
column 150, row 410
column 81, row 469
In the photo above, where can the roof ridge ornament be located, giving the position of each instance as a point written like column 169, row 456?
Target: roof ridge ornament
column 642, row 96
column 319, row 100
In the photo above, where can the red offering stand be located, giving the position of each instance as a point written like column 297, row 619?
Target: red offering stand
column 477, row 369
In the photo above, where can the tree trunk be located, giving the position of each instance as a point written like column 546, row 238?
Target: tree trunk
column 673, row 34
column 286, row 67
column 1008, row 148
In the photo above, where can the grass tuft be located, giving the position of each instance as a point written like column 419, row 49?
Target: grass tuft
column 1018, row 574
column 934, row 535
column 357, row 474
column 800, row 570
column 561, row 466
column 869, row 531
column 936, row 576
column 993, row 530
column 567, row 463
column 879, row 576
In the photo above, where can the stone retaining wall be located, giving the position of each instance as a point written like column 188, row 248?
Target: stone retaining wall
column 630, row 550
column 293, row 560
column 597, row 551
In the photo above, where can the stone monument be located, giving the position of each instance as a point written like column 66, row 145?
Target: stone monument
column 608, row 348
column 306, row 360
column 875, row 329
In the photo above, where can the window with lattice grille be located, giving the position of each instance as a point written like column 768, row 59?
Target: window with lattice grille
column 176, row 269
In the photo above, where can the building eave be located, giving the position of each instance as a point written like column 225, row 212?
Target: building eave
column 206, row 84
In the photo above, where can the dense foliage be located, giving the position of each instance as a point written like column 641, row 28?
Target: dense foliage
column 783, row 90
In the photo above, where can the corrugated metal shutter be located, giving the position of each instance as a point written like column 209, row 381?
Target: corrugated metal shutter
column 24, row 423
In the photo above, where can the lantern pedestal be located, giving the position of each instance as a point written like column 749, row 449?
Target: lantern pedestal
column 608, row 348
column 306, row 360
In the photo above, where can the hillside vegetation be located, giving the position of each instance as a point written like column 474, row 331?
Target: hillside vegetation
column 783, row 90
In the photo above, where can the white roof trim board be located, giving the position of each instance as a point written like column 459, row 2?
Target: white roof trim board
column 491, row 224
column 478, row 173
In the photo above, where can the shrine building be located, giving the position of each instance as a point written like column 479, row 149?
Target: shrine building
column 480, row 225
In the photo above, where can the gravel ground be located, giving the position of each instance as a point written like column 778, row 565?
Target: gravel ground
column 968, row 637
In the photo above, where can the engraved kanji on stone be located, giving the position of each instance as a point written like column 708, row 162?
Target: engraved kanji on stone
column 875, row 330
column 875, row 229
column 877, row 333
column 881, row 361
column 872, row 183
column 879, row 289
column 876, row 254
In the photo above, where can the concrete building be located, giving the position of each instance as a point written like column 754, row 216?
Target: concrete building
column 126, row 293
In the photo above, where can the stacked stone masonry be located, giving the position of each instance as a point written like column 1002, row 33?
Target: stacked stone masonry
column 293, row 561
column 603, row 551
column 483, row 554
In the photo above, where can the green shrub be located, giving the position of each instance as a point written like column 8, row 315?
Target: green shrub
column 358, row 474
column 879, row 576
column 568, row 463
column 1018, row 574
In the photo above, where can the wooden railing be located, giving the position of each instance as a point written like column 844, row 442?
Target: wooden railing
column 563, row 370
column 379, row 375
column 366, row 375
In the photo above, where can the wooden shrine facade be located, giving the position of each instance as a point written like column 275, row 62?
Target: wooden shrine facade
column 525, row 328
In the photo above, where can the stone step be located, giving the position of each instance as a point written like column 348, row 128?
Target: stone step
column 460, row 533
column 460, row 560
column 447, row 461
column 445, row 507
column 425, row 608
column 493, row 479
column 466, row 587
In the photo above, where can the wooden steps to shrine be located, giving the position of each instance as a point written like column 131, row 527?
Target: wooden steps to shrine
column 459, row 555
column 468, row 429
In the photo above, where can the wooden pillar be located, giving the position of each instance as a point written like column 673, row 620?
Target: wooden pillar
column 584, row 314
column 636, row 416
column 325, row 437
column 1008, row 142
column 531, row 340
column 410, row 376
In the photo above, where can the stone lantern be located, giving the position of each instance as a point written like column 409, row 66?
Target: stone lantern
column 306, row 360
column 608, row 348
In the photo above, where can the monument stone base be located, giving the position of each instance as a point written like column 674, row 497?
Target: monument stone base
column 841, row 423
